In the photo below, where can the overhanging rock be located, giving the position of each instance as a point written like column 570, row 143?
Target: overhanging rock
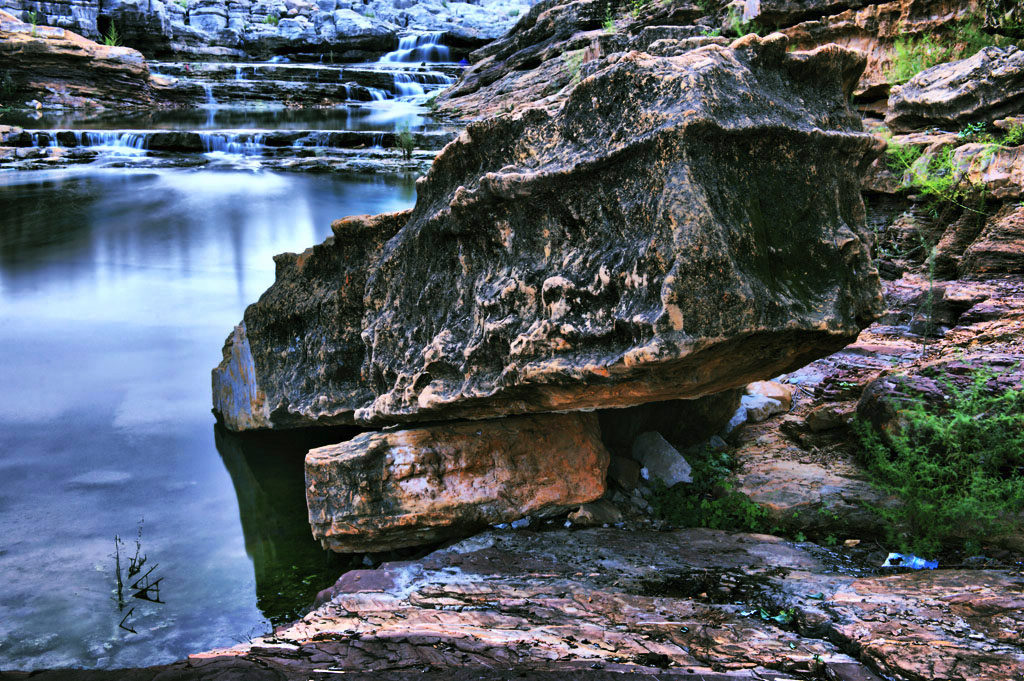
column 681, row 226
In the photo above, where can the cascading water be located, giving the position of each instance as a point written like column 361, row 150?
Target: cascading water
column 116, row 142
column 244, row 144
column 420, row 47
column 406, row 86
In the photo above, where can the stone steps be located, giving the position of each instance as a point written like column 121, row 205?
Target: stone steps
column 248, row 142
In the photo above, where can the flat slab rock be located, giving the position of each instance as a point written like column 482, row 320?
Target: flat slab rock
column 681, row 226
column 400, row 488
column 683, row 603
column 984, row 87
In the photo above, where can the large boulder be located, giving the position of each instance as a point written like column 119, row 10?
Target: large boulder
column 393, row 489
column 682, row 226
column 982, row 88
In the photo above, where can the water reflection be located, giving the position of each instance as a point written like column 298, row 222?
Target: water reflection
column 117, row 289
column 269, row 479
column 379, row 116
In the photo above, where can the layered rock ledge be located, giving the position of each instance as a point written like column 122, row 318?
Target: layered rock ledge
column 59, row 68
column 382, row 491
column 681, row 226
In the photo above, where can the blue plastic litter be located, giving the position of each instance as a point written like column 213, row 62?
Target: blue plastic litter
column 908, row 560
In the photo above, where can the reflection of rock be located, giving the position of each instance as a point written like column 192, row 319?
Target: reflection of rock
column 577, row 260
column 268, row 479
column 411, row 487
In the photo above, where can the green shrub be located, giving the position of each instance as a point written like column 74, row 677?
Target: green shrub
column 899, row 158
column 1014, row 136
column 959, row 470
column 514, row 12
column 637, row 6
column 609, row 19
column 939, row 180
column 272, row 19
column 738, row 26
column 709, row 501
column 574, row 64
column 405, row 141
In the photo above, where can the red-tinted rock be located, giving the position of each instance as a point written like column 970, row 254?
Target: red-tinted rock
column 401, row 488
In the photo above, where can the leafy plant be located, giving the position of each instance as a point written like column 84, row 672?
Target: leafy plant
column 972, row 131
column 33, row 19
column 272, row 19
column 709, row 501
column 405, row 141
column 1014, row 136
column 637, row 6
column 514, row 12
column 609, row 20
column 369, row 14
column 182, row 3
column 959, row 470
column 112, row 38
column 738, row 26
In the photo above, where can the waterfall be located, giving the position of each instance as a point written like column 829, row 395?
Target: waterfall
column 208, row 89
column 421, row 47
column 245, row 144
column 405, row 85
column 116, row 141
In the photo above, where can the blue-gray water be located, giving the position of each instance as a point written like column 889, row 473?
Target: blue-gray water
column 117, row 289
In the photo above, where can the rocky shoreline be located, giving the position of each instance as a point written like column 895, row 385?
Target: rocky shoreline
column 653, row 246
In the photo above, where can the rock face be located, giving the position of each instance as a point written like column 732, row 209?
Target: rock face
column 1000, row 246
column 394, row 489
column 680, row 227
column 982, row 88
column 871, row 27
column 59, row 68
column 350, row 29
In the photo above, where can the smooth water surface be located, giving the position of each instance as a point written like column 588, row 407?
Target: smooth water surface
column 117, row 290
column 377, row 116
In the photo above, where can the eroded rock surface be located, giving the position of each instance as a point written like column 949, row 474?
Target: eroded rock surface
column 400, row 488
column 685, row 603
column 62, row 69
column 982, row 88
column 661, row 236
